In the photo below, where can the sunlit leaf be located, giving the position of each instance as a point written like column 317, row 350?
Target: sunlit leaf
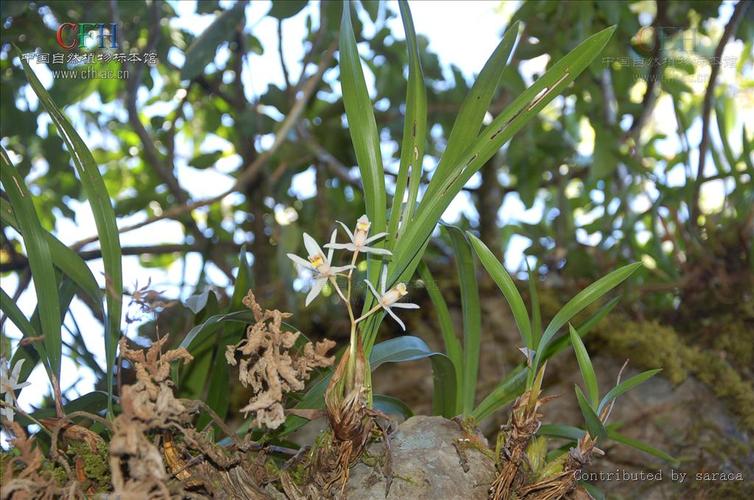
column 40, row 261
column 472, row 316
column 585, row 365
column 102, row 210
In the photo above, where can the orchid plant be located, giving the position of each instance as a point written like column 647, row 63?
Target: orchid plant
column 324, row 272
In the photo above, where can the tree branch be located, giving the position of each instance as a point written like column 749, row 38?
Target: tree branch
column 654, row 75
column 251, row 172
column 709, row 95
column 20, row 262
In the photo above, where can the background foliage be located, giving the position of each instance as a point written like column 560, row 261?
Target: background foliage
column 646, row 157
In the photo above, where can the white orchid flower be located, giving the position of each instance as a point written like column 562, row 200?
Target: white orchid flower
column 8, row 384
column 360, row 239
column 389, row 299
column 321, row 265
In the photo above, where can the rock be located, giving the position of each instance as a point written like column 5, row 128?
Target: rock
column 425, row 464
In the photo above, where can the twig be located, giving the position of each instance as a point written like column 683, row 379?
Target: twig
column 709, row 95
column 252, row 171
column 22, row 262
column 280, row 56
column 655, row 73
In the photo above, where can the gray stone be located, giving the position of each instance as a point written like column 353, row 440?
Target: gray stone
column 426, row 465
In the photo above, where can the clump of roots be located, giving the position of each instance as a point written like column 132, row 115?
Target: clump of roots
column 352, row 423
column 558, row 484
column 513, row 442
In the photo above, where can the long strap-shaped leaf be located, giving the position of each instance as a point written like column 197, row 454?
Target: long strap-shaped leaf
column 40, row 261
column 66, row 290
column 448, row 332
column 65, row 259
column 102, row 210
column 363, row 129
column 503, row 280
column 471, row 115
column 513, row 384
column 585, row 365
column 407, row 252
column 414, row 133
column 30, row 354
column 472, row 315
column 577, row 304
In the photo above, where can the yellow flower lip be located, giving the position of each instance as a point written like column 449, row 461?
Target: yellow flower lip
column 317, row 260
column 363, row 224
column 401, row 289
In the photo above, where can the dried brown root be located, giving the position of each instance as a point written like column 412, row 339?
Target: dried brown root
column 563, row 483
column 136, row 463
column 523, row 423
column 352, row 425
column 269, row 365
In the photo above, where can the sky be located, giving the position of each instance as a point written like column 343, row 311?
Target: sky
column 461, row 33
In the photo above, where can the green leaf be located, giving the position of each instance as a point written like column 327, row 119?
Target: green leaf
column 561, row 431
column 414, row 133
column 536, row 313
column 399, row 350
column 206, row 160
column 504, row 393
column 565, row 340
column 408, row 251
column 722, row 118
column 218, row 390
column 626, row 386
column 593, row 491
column 500, row 276
column 410, row 348
column 40, row 261
column 313, row 399
column 283, row 9
column 363, row 129
column 472, row 316
column 102, row 210
column 392, row 406
column 449, row 337
column 211, row 325
column 579, row 302
column 593, row 423
column 242, row 283
column 202, row 50
column 508, row 390
column 641, row 446
column 585, row 365
column 34, row 354
column 65, row 259
column 471, row 115
column 746, row 149
column 92, row 402
column 30, row 354
column 14, row 314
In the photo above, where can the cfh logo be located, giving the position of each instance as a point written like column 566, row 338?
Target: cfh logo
column 87, row 36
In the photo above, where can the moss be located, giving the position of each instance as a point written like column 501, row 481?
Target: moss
column 736, row 339
column 96, row 464
column 653, row 345
column 55, row 472
column 726, row 383
column 649, row 344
